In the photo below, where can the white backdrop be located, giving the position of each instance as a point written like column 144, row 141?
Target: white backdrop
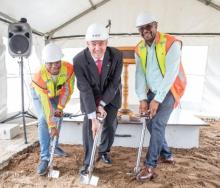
column 3, row 78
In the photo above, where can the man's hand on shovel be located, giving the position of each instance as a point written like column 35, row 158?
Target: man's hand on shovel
column 58, row 113
column 54, row 132
column 101, row 113
column 144, row 108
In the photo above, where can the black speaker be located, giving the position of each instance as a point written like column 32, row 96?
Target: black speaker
column 19, row 39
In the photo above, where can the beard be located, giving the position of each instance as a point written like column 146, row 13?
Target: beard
column 149, row 40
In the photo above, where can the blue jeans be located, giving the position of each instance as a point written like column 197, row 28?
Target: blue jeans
column 158, row 145
column 43, row 131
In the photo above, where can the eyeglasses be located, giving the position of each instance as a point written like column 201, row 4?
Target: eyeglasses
column 146, row 27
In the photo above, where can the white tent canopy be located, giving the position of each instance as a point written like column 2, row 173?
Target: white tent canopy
column 190, row 16
column 195, row 22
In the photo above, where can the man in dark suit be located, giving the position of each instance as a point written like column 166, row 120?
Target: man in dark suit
column 98, row 71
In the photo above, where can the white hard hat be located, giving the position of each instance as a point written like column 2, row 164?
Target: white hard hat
column 144, row 18
column 52, row 53
column 96, row 32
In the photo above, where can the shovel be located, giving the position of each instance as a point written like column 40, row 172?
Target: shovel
column 51, row 172
column 145, row 120
column 89, row 179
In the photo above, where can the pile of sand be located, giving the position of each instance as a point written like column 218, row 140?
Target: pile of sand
column 198, row 167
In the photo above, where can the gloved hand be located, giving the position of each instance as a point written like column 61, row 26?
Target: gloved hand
column 58, row 113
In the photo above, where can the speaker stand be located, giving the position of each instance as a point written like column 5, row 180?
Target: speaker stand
column 18, row 115
column 22, row 113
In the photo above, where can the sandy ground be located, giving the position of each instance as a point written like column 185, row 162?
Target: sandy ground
column 198, row 167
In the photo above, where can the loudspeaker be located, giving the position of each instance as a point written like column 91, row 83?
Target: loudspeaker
column 19, row 39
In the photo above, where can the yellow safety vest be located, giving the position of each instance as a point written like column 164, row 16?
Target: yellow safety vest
column 47, row 89
column 163, row 44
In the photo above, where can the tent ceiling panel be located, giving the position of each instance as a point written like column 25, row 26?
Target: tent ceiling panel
column 217, row 2
column 211, row 3
column 189, row 16
column 44, row 15
column 186, row 16
column 94, row 2
column 3, row 29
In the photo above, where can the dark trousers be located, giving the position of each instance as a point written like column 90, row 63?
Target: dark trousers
column 107, row 136
column 158, row 145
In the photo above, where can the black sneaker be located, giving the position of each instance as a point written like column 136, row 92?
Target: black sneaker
column 42, row 167
column 58, row 152
column 103, row 157
column 84, row 170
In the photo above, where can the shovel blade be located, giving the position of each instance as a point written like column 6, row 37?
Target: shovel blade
column 85, row 179
column 94, row 180
column 53, row 174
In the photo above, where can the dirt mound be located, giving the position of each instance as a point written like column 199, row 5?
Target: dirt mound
column 198, row 167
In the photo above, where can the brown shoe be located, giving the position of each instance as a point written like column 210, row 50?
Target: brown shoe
column 167, row 161
column 146, row 173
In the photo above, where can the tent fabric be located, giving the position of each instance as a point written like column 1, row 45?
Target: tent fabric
column 3, row 78
column 3, row 29
column 189, row 16
column 44, row 15
column 174, row 16
column 208, row 99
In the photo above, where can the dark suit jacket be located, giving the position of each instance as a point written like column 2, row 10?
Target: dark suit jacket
column 94, row 87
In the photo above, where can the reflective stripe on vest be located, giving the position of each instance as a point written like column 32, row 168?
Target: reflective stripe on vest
column 46, row 89
column 163, row 43
column 44, row 80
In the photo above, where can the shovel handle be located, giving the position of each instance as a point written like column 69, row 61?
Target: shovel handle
column 95, row 144
column 145, row 121
column 50, row 165
column 52, row 152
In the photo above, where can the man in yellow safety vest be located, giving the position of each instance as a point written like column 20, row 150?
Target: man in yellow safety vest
column 52, row 87
column 160, row 83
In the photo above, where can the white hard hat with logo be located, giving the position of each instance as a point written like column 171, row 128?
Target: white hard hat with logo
column 144, row 18
column 96, row 32
column 52, row 53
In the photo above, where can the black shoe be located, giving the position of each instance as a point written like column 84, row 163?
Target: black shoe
column 58, row 152
column 84, row 170
column 103, row 157
column 42, row 167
